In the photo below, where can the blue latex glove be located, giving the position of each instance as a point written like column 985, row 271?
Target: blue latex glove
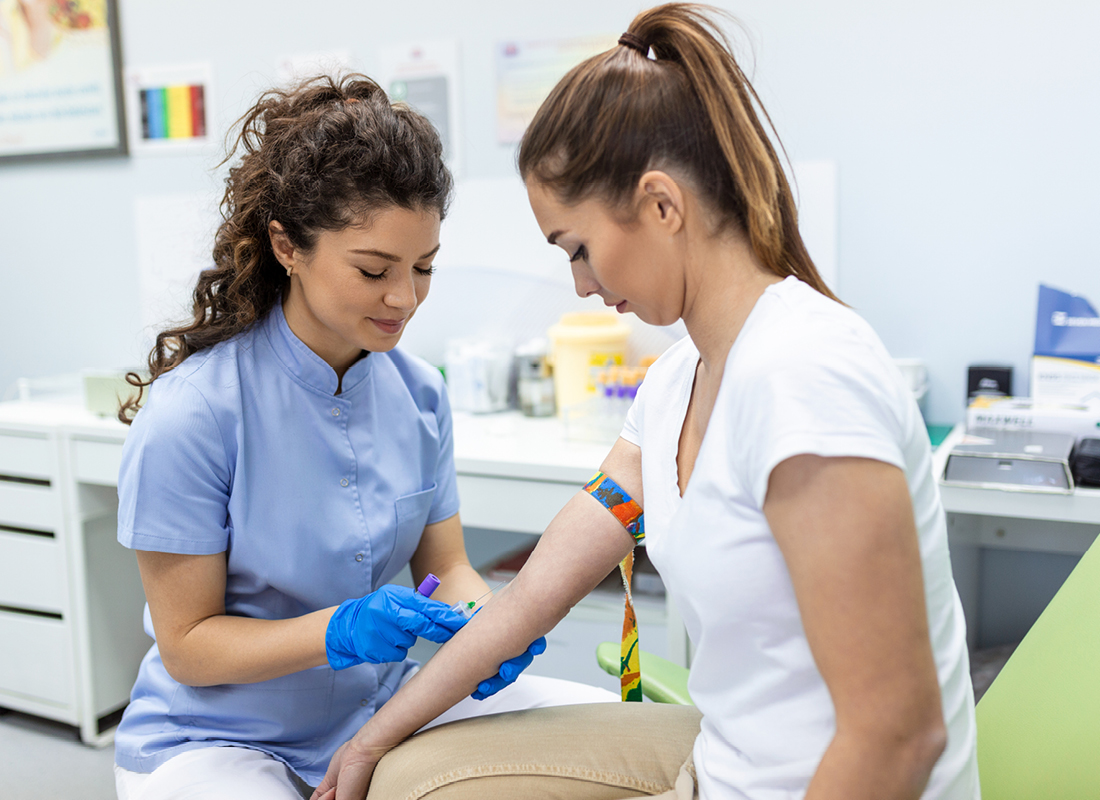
column 382, row 626
column 510, row 670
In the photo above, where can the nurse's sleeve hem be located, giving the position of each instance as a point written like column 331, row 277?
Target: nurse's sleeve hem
column 441, row 516
column 163, row 544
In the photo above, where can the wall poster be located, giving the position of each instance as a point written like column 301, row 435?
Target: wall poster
column 60, row 79
column 426, row 76
column 528, row 70
column 170, row 108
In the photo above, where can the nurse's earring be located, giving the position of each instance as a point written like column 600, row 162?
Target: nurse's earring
column 289, row 270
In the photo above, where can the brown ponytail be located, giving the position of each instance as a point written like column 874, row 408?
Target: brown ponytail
column 316, row 157
column 689, row 109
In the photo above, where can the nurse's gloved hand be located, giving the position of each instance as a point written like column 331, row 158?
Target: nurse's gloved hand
column 510, row 670
column 382, row 626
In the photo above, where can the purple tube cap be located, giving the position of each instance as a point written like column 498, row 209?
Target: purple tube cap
column 428, row 585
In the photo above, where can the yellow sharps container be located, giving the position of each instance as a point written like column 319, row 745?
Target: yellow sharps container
column 581, row 344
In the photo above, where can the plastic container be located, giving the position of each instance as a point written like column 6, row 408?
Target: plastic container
column 583, row 343
column 104, row 391
column 534, row 384
column 916, row 377
column 478, row 373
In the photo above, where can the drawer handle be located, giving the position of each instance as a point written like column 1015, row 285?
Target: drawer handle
column 27, row 531
column 29, row 481
column 31, row 612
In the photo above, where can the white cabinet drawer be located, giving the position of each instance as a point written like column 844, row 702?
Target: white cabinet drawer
column 37, row 662
column 96, row 462
column 26, row 456
column 31, row 572
column 24, row 506
column 511, row 505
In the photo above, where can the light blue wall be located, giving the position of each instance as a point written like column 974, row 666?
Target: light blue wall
column 965, row 133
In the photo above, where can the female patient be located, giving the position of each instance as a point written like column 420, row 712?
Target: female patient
column 783, row 467
column 290, row 461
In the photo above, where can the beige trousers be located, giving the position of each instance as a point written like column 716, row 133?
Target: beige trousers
column 236, row 773
column 593, row 752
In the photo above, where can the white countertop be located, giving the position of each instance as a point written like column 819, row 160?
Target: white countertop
column 68, row 414
column 510, row 445
column 505, row 444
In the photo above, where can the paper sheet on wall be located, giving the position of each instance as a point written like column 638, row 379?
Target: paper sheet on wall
column 528, row 70
column 175, row 234
column 490, row 224
column 815, row 188
column 425, row 75
column 302, row 66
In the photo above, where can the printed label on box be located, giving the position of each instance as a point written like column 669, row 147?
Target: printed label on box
column 1066, row 364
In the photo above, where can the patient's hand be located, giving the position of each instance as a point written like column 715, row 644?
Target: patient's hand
column 350, row 770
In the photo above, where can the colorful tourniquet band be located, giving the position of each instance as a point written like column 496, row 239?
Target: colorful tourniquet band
column 629, row 514
column 619, row 503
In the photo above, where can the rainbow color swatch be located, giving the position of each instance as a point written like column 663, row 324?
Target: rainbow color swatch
column 173, row 112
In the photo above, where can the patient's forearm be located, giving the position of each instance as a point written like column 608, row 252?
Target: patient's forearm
column 582, row 544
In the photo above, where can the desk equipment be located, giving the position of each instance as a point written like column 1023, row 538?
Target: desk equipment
column 1024, row 461
column 1026, row 414
column 583, row 343
column 988, row 380
column 1086, row 463
column 478, row 374
column 534, row 383
column 915, row 373
column 104, row 391
column 1066, row 365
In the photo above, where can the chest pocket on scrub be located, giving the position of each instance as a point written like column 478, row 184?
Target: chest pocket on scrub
column 412, row 515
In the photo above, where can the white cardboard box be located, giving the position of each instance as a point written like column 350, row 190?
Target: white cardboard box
column 1027, row 414
column 1064, row 381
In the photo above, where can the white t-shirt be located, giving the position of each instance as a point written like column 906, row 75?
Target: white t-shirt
column 805, row 375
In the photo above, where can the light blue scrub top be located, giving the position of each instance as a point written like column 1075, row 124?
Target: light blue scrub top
column 314, row 497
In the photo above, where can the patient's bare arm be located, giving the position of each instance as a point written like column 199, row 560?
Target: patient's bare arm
column 581, row 545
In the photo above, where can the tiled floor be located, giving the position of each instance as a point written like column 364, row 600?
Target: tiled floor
column 986, row 664
column 43, row 760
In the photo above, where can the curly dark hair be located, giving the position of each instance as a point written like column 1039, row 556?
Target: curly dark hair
column 316, row 157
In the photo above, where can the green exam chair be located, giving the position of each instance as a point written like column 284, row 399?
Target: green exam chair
column 662, row 681
column 1039, row 723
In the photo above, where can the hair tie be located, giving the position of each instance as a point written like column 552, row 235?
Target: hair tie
column 634, row 43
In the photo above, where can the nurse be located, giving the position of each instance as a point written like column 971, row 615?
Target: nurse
column 783, row 467
column 289, row 462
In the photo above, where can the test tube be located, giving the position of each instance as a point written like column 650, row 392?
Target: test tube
column 428, row 585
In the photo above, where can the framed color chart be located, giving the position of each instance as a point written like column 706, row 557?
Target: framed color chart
column 60, row 79
column 169, row 108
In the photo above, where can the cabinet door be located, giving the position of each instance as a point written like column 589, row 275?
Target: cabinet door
column 29, row 495
column 32, row 571
column 37, row 662
column 26, row 455
column 29, row 506
column 96, row 461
